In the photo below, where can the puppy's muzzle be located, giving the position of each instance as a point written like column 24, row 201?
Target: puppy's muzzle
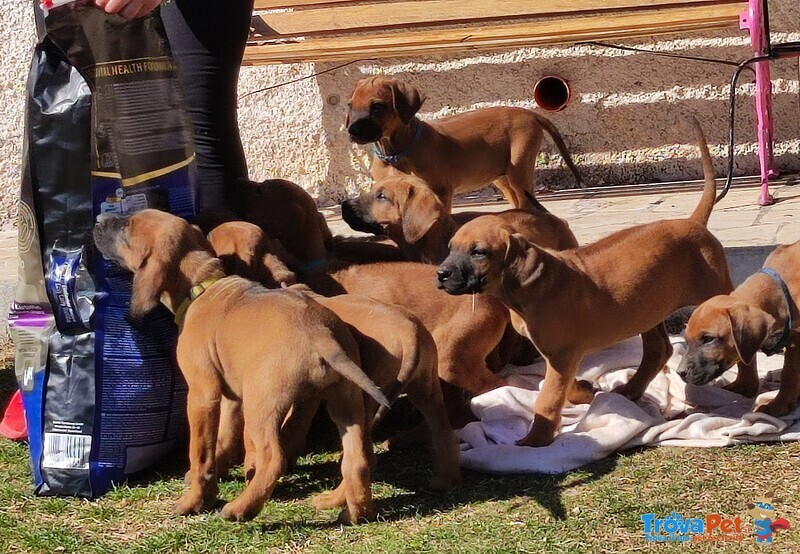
column 364, row 130
column 695, row 370
column 359, row 218
column 107, row 231
column 457, row 279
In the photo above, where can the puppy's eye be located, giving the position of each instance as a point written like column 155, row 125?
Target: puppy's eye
column 381, row 196
column 377, row 107
column 478, row 253
column 708, row 339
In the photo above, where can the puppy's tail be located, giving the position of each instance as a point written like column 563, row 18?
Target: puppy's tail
column 536, row 204
column 411, row 358
column 333, row 355
column 558, row 140
column 703, row 210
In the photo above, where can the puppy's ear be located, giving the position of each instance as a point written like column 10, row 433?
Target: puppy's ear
column 750, row 328
column 272, row 272
column 419, row 212
column 522, row 260
column 149, row 281
column 276, row 248
column 407, row 100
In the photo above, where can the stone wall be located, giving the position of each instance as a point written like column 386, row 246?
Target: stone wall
column 626, row 123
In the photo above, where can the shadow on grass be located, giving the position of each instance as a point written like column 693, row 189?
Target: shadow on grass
column 405, row 470
column 405, row 474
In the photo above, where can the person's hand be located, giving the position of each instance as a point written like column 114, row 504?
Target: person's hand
column 128, row 8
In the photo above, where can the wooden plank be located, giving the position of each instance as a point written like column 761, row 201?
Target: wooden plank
column 491, row 37
column 283, row 4
column 416, row 13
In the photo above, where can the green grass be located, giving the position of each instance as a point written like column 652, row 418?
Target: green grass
column 591, row 510
column 594, row 509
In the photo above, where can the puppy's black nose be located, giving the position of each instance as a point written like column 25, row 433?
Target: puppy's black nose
column 443, row 274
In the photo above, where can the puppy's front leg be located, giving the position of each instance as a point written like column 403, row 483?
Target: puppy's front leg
column 787, row 398
column 558, row 379
column 203, row 413
column 656, row 350
column 746, row 382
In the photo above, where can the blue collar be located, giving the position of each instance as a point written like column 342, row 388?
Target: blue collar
column 394, row 158
column 313, row 264
column 784, row 340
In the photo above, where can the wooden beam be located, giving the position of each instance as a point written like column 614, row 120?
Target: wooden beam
column 377, row 16
column 492, row 37
column 283, row 4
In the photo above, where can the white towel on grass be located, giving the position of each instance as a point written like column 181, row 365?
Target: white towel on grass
column 670, row 413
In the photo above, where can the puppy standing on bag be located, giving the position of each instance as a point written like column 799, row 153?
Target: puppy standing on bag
column 454, row 154
column 174, row 263
column 586, row 299
column 761, row 314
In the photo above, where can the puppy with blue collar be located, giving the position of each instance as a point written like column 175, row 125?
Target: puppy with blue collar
column 761, row 314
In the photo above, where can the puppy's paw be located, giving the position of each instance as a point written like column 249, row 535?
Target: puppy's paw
column 239, row 511
column 441, row 483
column 581, row 392
column 362, row 514
column 777, row 407
column 748, row 389
column 535, row 441
column 329, row 499
column 194, row 502
column 629, row 392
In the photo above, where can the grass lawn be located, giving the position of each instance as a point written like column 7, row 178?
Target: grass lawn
column 595, row 509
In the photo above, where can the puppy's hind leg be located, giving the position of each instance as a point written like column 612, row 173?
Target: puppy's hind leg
column 515, row 197
column 230, row 450
column 298, row 424
column 203, row 413
column 656, row 351
column 263, row 418
column 425, row 394
column 463, row 365
column 346, row 407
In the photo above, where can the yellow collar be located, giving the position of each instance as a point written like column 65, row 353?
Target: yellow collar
column 194, row 292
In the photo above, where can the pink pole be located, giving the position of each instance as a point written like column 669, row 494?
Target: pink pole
column 752, row 20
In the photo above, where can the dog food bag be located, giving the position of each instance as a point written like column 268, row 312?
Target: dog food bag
column 105, row 131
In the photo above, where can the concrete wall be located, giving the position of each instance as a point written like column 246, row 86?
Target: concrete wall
column 626, row 122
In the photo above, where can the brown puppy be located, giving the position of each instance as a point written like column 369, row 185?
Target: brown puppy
column 473, row 337
column 247, row 252
column 405, row 209
column 759, row 315
column 172, row 261
column 399, row 355
column 285, row 212
column 455, row 154
column 468, row 331
column 587, row 298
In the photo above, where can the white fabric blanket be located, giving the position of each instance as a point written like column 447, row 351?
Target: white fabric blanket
column 671, row 413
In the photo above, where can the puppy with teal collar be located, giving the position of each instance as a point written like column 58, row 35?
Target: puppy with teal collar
column 761, row 314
